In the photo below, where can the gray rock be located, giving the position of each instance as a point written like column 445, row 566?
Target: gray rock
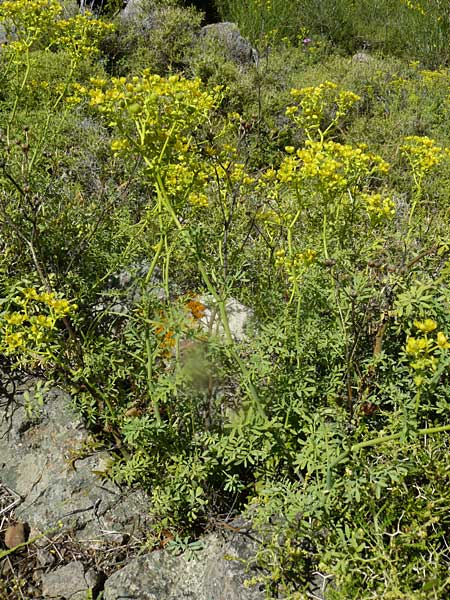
column 228, row 37
column 70, row 582
column 364, row 58
column 139, row 14
column 239, row 317
column 217, row 572
column 132, row 10
column 126, row 287
column 35, row 454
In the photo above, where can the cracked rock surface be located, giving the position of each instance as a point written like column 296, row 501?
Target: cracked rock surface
column 35, row 462
column 78, row 535
column 70, row 582
column 216, row 572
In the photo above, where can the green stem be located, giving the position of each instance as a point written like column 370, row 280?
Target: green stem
column 18, row 95
column 152, row 397
column 377, row 442
column 417, row 196
column 417, row 404
column 166, row 269
column 324, row 234
column 154, row 261
column 211, row 289
column 297, row 333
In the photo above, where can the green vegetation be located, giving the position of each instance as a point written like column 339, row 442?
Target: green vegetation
column 313, row 188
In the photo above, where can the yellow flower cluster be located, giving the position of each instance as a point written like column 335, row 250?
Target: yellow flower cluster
column 31, row 326
column 80, row 35
column 296, row 263
column 414, row 6
column 330, row 167
column 316, row 104
column 155, row 117
column 37, row 21
column 431, row 77
column 422, row 154
column 28, row 21
column 198, row 200
column 425, row 350
column 234, row 172
column 378, row 207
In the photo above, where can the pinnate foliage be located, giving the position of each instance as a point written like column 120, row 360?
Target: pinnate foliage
column 327, row 422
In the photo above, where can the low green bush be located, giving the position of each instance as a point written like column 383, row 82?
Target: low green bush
column 159, row 37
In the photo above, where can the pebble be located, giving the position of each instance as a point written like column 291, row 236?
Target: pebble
column 16, row 534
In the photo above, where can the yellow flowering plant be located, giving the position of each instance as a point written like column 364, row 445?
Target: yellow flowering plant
column 30, row 328
column 427, row 353
column 154, row 117
column 160, row 120
column 320, row 109
column 33, row 26
column 423, row 155
column 43, row 53
column 329, row 179
column 333, row 176
column 29, row 22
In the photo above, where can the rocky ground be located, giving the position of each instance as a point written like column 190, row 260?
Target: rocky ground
column 68, row 533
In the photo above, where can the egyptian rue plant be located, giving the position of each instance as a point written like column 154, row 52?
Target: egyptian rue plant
column 30, row 327
column 37, row 25
column 423, row 156
column 36, row 33
column 161, row 121
column 329, row 180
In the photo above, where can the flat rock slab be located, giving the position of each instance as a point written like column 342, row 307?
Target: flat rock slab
column 217, row 572
column 34, row 462
column 70, row 582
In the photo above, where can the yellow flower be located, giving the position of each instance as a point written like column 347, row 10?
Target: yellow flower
column 441, row 340
column 291, row 110
column 14, row 340
column 118, row 146
column 411, row 345
column 422, row 154
column 418, row 380
column 44, row 321
column 97, row 97
column 15, row 318
column 426, row 326
column 46, row 297
column 198, row 200
column 30, row 294
column 61, row 306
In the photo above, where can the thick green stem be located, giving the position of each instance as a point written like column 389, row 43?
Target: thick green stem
column 377, row 442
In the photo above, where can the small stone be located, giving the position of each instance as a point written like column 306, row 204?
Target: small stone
column 363, row 57
column 16, row 534
column 45, row 558
column 5, row 568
